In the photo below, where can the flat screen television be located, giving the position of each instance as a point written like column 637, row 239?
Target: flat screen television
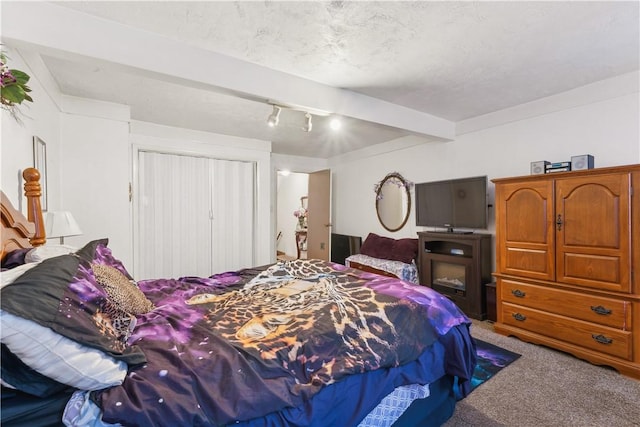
column 453, row 203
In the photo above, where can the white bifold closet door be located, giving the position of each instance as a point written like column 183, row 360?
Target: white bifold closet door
column 195, row 215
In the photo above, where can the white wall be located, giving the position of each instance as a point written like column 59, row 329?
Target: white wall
column 39, row 118
column 608, row 129
column 95, row 172
column 87, row 156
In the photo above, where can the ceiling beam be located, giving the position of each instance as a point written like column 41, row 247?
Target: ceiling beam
column 63, row 32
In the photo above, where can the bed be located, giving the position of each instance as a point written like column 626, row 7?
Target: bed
column 388, row 257
column 304, row 342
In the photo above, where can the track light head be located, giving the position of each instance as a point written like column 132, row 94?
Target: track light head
column 307, row 124
column 274, row 117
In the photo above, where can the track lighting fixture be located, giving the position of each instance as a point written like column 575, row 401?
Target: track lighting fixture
column 274, row 117
column 307, row 124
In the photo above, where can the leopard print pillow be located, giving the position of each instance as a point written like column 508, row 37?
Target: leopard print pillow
column 123, row 292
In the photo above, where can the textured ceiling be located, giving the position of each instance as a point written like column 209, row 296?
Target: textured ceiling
column 454, row 60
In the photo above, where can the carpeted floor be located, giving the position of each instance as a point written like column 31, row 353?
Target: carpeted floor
column 549, row 388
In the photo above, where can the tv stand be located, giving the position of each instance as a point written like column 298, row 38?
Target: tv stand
column 458, row 265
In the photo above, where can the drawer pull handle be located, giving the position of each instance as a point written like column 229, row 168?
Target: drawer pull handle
column 519, row 317
column 518, row 293
column 601, row 310
column 602, row 339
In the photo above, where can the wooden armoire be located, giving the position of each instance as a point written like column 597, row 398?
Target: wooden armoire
column 567, row 263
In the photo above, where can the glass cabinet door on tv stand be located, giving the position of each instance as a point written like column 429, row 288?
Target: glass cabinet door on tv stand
column 457, row 266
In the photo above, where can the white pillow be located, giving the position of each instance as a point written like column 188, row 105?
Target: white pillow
column 9, row 276
column 59, row 358
column 41, row 253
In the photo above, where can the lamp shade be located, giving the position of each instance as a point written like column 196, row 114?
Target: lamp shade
column 61, row 224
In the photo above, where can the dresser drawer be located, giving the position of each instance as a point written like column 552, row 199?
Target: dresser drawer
column 605, row 311
column 585, row 334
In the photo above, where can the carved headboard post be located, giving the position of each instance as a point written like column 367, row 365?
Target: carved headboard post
column 33, row 192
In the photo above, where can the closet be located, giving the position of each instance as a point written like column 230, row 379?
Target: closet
column 567, row 259
column 195, row 215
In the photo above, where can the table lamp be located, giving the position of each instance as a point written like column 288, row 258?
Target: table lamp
column 61, row 224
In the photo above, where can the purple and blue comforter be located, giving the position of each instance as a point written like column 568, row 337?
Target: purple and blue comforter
column 265, row 347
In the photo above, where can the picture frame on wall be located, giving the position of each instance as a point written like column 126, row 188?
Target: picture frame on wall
column 40, row 163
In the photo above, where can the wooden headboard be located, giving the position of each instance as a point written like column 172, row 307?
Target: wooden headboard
column 18, row 231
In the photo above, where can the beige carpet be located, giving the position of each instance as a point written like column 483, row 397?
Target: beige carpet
column 548, row 388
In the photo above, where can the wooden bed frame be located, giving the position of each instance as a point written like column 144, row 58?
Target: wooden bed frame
column 17, row 231
column 370, row 269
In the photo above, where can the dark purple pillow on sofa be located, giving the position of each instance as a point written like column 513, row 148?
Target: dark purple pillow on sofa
column 404, row 250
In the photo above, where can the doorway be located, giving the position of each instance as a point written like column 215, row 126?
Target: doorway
column 305, row 195
column 291, row 188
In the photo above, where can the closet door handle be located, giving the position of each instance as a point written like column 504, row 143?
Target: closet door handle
column 559, row 222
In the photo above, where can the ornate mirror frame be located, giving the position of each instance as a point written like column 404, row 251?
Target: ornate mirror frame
column 393, row 201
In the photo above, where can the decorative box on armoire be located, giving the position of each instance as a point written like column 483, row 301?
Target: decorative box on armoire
column 567, row 259
column 457, row 265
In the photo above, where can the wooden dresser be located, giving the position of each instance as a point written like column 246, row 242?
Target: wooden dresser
column 567, row 263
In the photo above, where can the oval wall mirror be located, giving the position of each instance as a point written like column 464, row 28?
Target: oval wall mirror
column 393, row 201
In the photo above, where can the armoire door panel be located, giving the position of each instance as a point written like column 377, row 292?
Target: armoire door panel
column 527, row 260
column 592, row 270
column 531, row 207
column 593, row 239
column 590, row 214
column 523, row 216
